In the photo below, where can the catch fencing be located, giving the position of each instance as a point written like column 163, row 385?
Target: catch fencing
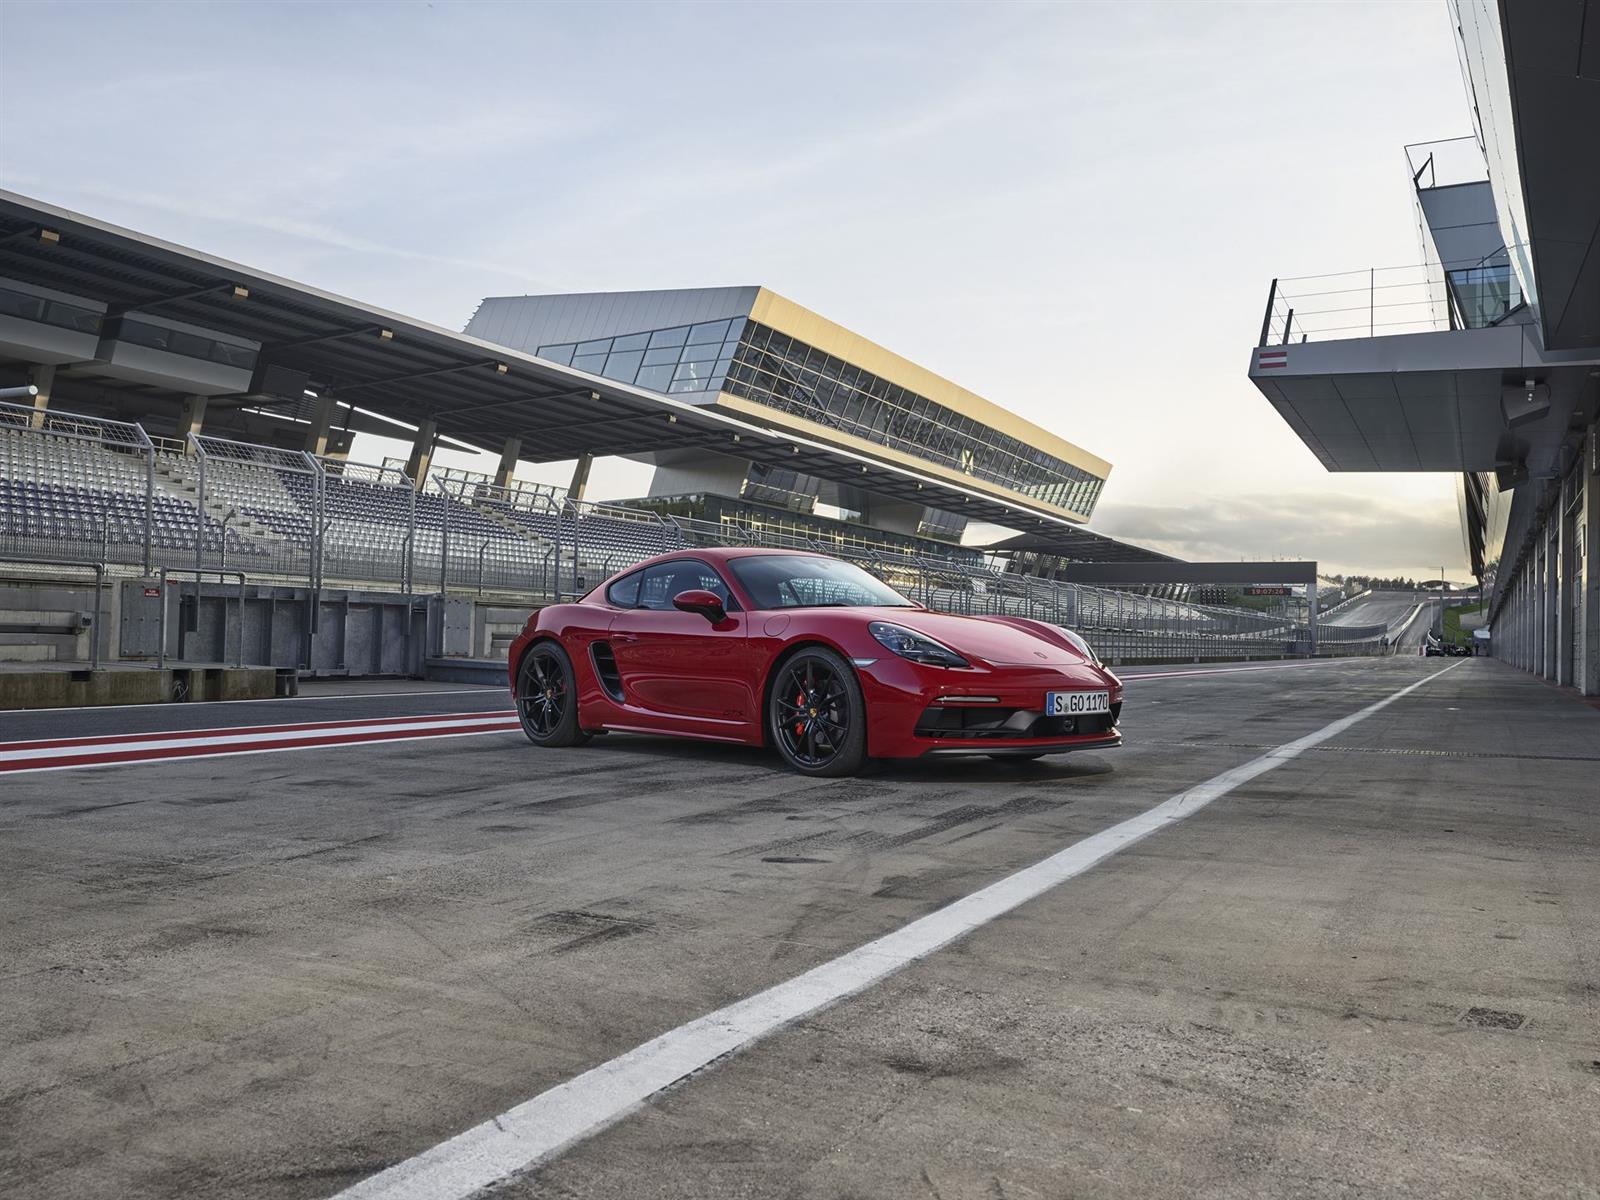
column 105, row 492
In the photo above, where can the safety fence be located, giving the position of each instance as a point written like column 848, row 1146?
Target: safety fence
column 1384, row 301
column 103, row 492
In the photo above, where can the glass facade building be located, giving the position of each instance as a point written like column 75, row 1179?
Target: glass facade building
column 750, row 516
column 784, row 373
column 1480, row 44
column 748, row 360
column 685, row 358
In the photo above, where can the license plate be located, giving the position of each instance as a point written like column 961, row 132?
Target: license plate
column 1076, row 704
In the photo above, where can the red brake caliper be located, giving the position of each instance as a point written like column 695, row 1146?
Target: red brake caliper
column 800, row 726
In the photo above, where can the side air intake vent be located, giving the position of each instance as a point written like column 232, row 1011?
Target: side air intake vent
column 605, row 667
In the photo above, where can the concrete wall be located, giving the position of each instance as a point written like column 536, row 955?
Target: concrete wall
column 86, row 689
column 680, row 474
column 350, row 633
column 54, row 621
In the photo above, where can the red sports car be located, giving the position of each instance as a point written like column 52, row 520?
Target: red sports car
column 809, row 654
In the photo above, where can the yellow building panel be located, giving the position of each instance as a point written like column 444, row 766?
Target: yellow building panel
column 779, row 419
column 778, row 312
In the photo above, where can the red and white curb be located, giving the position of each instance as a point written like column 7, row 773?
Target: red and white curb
column 57, row 754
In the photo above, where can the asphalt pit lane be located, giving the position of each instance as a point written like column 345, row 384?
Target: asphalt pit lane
column 578, row 929
column 1493, row 1018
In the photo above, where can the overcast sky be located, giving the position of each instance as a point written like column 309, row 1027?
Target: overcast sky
column 1073, row 209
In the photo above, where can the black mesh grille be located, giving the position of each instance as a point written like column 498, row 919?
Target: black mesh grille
column 1001, row 724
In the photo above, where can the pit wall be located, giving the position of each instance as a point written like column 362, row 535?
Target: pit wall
column 69, row 688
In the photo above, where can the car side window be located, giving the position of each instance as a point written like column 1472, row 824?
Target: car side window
column 662, row 582
column 624, row 593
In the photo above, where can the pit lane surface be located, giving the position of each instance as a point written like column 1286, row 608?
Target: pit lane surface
column 274, row 976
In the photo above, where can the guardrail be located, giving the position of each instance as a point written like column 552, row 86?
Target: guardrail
column 286, row 539
column 1385, row 301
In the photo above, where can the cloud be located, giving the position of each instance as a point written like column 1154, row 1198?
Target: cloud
column 286, row 226
column 1343, row 533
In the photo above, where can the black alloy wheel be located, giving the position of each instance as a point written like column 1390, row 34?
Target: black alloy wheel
column 547, row 699
column 816, row 715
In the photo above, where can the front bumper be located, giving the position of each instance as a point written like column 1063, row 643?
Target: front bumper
column 915, row 710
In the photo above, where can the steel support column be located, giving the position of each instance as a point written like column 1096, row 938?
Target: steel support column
column 580, row 477
column 1587, row 576
column 42, row 378
column 1552, row 597
column 321, row 422
column 192, row 418
column 421, row 453
column 510, row 455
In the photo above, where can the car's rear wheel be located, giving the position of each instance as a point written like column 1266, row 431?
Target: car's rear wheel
column 816, row 715
column 547, row 697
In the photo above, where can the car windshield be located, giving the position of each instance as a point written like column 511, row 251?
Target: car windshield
column 804, row 581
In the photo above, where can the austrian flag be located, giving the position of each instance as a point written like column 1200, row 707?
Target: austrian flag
column 1272, row 358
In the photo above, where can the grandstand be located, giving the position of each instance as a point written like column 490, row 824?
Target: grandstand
column 88, row 489
column 205, row 473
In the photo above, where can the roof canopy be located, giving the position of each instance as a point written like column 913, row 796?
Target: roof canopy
column 390, row 367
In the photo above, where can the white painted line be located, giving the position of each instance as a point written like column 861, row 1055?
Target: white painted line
column 137, row 743
column 422, row 695
column 538, row 1129
column 205, row 758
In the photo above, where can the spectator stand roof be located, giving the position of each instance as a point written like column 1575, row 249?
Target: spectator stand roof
column 384, row 367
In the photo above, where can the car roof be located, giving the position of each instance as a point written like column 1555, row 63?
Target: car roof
column 715, row 555
column 720, row 554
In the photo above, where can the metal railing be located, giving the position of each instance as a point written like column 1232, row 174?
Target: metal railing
column 1385, row 301
column 1446, row 163
column 31, row 439
column 271, row 515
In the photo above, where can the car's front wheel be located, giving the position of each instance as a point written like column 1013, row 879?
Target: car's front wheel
column 816, row 715
column 547, row 697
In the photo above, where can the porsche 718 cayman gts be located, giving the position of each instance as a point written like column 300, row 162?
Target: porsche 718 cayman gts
column 807, row 654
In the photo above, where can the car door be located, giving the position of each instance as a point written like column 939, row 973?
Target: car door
column 679, row 670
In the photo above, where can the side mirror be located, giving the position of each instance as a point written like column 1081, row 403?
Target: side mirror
column 707, row 604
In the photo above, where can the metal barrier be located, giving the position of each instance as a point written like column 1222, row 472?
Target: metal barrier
column 283, row 517
column 199, row 578
column 1384, row 301
column 99, row 569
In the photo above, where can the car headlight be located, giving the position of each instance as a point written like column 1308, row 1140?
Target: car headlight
column 1083, row 647
column 908, row 643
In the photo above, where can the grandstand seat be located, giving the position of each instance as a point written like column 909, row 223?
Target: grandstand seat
column 70, row 491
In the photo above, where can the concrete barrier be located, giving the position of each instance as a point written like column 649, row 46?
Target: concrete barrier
column 72, row 688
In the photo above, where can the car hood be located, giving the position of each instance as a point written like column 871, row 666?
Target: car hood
column 992, row 641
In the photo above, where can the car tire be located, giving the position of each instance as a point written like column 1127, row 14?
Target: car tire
column 816, row 716
column 546, row 697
